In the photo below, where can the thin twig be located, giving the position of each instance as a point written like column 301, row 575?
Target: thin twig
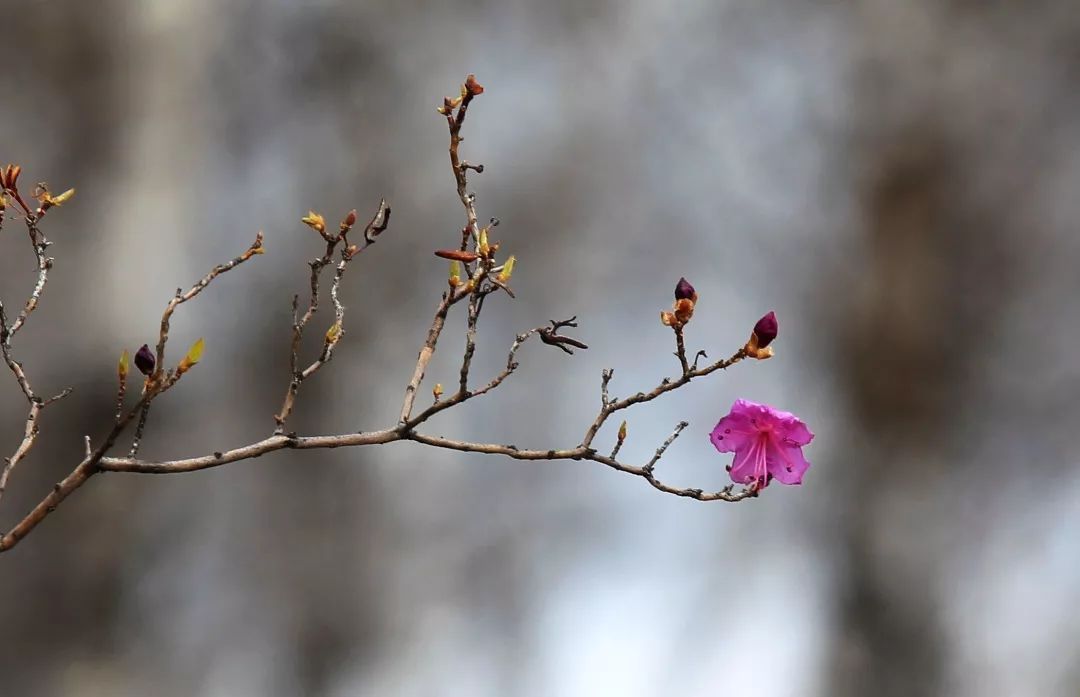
column 475, row 301
column 465, row 395
column 665, row 386
column 680, row 349
column 483, row 280
column 62, row 489
column 121, row 392
column 157, row 380
column 449, row 299
column 44, row 264
column 651, row 464
column 375, row 227
column 140, row 427
column 157, row 384
column 31, row 427
column 454, row 120
column 182, row 297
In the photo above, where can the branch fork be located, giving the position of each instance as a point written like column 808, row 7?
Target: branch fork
column 475, row 274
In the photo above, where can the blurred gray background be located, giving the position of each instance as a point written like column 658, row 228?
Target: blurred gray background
column 898, row 180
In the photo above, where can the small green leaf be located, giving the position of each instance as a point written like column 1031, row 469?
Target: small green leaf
column 194, row 354
column 123, row 365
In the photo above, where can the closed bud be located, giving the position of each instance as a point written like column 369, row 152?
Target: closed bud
column 456, row 254
column 437, row 391
column 60, row 199
column 349, row 221
column 764, row 332
column 123, row 365
column 455, row 274
column 766, row 329
column 145, row 360
column 9, row 176
column 472, row 86
column 482, row 245
column 685, row 291
column 622, row 431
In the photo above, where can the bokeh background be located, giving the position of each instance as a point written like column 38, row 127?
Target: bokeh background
column 898, row 180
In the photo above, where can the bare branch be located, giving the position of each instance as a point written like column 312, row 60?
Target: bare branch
column 182, row 297
column 32, row 426
column 665, row 386
column 449, row 299
column 680, row 350
column 44, row 264
column 373, row 229
column 476, row 255
column 158, row 382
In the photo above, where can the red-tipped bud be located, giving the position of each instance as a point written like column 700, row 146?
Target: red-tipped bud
column 766, row 329
column 472, row 86
column 145, row 360
column 9, row 176
column 685, row 291
column 457, row 255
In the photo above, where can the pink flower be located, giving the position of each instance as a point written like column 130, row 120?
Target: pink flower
column 767, row 443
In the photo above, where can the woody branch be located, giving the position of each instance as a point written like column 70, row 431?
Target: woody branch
column 475, row 275
column 9, row 187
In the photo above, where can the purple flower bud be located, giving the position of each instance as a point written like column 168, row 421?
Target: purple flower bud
column 144, row 360
column 685, row 291
column 766, row 329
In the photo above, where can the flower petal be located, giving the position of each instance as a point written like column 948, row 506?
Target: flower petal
column 732, row 433
column 794, row 430
column 749, row 463
column 785, row 462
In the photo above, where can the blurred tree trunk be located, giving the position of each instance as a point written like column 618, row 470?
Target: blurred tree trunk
column 897, row 378
column 941, row 191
